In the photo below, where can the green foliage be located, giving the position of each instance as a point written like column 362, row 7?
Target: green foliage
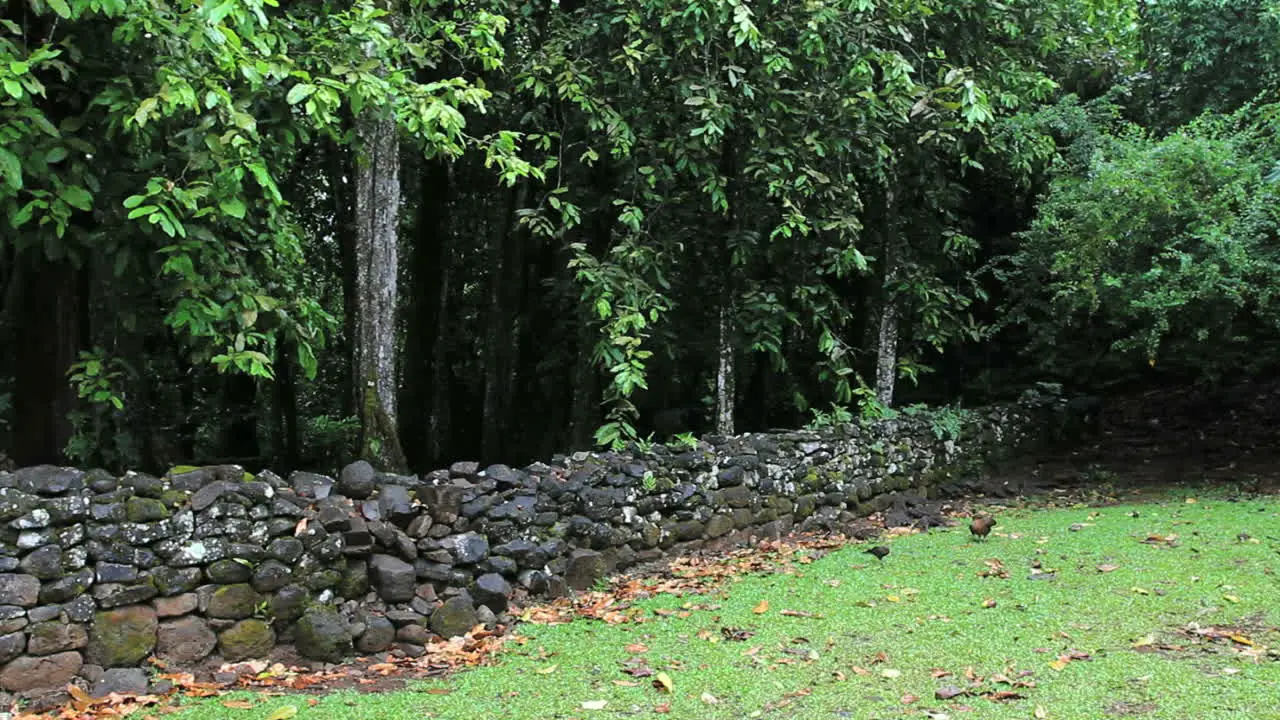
column 1163, row 251
column 837, row 415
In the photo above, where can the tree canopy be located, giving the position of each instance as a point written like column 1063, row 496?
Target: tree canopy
column 297, row 233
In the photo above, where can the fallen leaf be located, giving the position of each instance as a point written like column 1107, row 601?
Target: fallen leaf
column 762, row 608
column 237, row 704
column 1107, row 568
column 1140, row 591
column 594, row 704
column 948, row 692
column 547, row 670
column 1230, row 598
column 1041, row 713
column 1191, row 501
column 662, row 682
column 637, row 648
column 283, row 713
column 909, row 698
column 989, row 603
column 710, row 699
column 890, row 673
column 663, row 708
column 1241, row 639
column 626, row 683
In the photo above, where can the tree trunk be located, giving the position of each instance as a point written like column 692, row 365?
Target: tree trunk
column 506, row 255
column 725, row 371
column 377, row 264
column 286, row 402
column 340, row 169
column 725, row 345
column 424, row 327
column 887, row 343
column 50, row 323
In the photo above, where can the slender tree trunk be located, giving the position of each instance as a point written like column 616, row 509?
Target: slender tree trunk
column 240, row 434
column 887, row 344
column 340, row 170
column 50, row 323
column 377, row 265
column 423, row 326
column 505, row 259
column 725, row 345
column 286, row 402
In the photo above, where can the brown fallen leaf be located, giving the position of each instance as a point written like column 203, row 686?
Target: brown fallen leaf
column 762, row 608
column 909, row 698
column 547, row 670
column 948, row 692
column 237, row 704
column 799, row 613
column 662, row 708
column 637, row 648
column 1106, row 568
column 626, row 683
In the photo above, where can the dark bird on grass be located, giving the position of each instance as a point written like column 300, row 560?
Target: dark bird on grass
column 879, row 551
column 981, row 526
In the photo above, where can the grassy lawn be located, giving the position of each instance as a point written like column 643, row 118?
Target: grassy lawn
column 888, row 632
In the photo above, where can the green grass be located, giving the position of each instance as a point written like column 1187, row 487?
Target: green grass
column 939, row 622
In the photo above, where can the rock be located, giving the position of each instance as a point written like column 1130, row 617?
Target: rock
column 585, row 568
column 20, row 590
column 120, row 680
column 44, row 563
column 719, row 525
column 535, row 581
column 227, row 572
column 419, row 527
column 111, row 595
column 11, row 646
column 311, row 485
column 27, row 674
column 81, row 609
column 67, row 588
column 122, row 637
column 504, row 476
column 394, row 503
column 454, row 618
column 233, row 602
column 48, row 638
column 443, row 502
column 48, row 480
column 44, row 613
column 486, row 617
column 492, row 591
column 287, row 550
column 209, row 494
column 378, row 634
column 322, row 635
column 288, row 603
column 356, row 480
column 108, row 572
column 501, row 565
column 246, row 640
column 414, row 635
column 466, row 549
column 271, row 576
column 176, row 606
column 185, row 641
column 176, row 581
column 394, row 578
column 144, row 510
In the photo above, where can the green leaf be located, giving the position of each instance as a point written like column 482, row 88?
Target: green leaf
column 77, row 197
column 57, row 154
column 141, row 211
column 134, row 201
column 233, row 207
column 10, row 169
column 60, row 7
column 300, row 92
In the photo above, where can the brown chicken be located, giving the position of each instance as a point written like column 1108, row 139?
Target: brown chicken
column 981, row 526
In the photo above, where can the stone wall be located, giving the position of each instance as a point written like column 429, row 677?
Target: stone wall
column 209, row 565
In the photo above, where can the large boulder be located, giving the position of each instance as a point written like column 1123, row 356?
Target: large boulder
column 40, row 673
column 185, row 641
column 246, row 640
column 322, row 635
column 122, row 637
column 394, row 578
column 20, row 590
column 357, row 480
column 454, row 618
column 492, row 590
column 233, row 602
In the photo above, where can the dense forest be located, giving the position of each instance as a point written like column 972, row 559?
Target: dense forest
column 292, row 233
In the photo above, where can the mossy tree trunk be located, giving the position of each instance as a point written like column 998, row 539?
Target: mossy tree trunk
column 377, row 264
